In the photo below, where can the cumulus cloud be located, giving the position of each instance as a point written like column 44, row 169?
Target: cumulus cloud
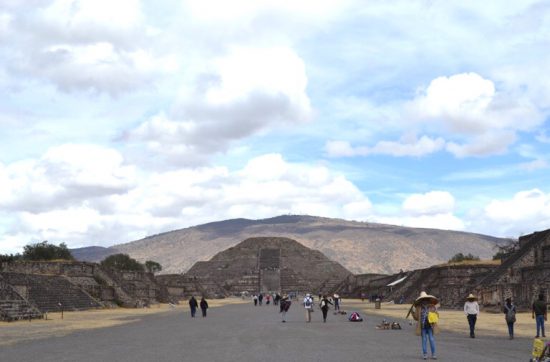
column 84, row 45
column 408, row 145
column 267, row 185
column 245, row 92
column 469, row 106
column 525, row 212
column 433, row 209
column 430, row 203
column 64, row 176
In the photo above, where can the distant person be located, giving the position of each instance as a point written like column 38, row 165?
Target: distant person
column 539, row 314
column 193, row 305
column 336, row 299
column 323, row 304
column 260, row 298
column 267, row 299
column 423, row 307
column 204, row 306
column 471, row 309
column 509, row 310
column 255, row 299
column 284, row 306
column 276, row 299
column 308, row 305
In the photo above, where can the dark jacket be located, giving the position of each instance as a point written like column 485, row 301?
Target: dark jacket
column 193, row 303
column 204, row 304
column 327, row 302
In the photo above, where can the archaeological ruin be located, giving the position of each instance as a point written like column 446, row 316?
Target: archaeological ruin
column 270, row 264
column 30, row 288
column 263, row 264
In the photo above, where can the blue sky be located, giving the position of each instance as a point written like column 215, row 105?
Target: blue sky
column 123, row 119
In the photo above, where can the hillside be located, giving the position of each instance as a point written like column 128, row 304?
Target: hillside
column 359, row 246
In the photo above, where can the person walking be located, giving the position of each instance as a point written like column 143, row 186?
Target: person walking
column 308, row 305
column 204, row 306
column 324, row 307
column 260, row 298
column 471, row 309
column 509, row 310
column 426, row 315
column 255, row 299
column 284, row 305
column 539, row 314
column 336, row 299
column 193, row 305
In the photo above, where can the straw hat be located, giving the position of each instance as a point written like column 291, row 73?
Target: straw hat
column 471, row 297
column 425, row 296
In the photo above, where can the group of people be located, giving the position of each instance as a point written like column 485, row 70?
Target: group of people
column 193, row 305
column 424, row 311
column 259, row 298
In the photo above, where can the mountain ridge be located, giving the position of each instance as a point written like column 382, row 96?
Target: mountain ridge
column 361, row 247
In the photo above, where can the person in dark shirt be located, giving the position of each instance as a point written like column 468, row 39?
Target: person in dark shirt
column 324, row 307
column 193, row 305
column 204, row 306
column 539, row 314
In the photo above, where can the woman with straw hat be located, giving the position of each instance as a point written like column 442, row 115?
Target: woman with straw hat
column 471, row 309
column 425, row 313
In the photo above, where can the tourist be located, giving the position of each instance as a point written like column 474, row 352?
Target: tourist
column 510, row 316
column 425, row 313
column 193, row 305
column 324, row 307
column 336, row 299
column 284, row 306
column 255, row 299
column 471, row 309
column 276, row 299
column 260, row 298
column 308, row 305
column 204, row 306
column 539, row 314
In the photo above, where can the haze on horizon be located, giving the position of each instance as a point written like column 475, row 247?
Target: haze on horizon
column 124, row 119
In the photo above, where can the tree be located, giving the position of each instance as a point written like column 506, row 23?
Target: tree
column 504, row 251
column 459, row 257
column 122, row 262
column 9, row 257
column 45, row 251
column 152, row 266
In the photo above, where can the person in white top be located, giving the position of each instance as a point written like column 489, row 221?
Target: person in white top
column 471, row 309
column 308, row 305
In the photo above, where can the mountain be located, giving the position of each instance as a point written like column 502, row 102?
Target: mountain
column 361, row 247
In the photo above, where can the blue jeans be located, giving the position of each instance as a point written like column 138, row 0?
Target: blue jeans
column 193, row 311
column 428, row 333
column 540, row 324
column 472, row 318
column 510, row 329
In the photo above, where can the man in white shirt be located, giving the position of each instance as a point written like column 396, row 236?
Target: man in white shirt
column 471, row 309
column 308, row 305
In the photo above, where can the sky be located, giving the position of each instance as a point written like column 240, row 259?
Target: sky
column 122, row 119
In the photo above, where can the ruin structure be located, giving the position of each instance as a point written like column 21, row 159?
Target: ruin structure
column 263, row 264
column 30, row 288
column 521, row 276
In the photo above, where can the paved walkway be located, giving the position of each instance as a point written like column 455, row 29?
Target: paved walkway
column 248, row 333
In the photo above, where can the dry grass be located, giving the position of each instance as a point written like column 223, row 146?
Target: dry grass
column 455, row 320
column 54, row 326
column 473, row 262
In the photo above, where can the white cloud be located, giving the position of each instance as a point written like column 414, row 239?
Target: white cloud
column 65, row 175
column 527, row 211
column 248, row 91
column 482, row 118
column 408, row 145
column 430, row 203
column 268, row 185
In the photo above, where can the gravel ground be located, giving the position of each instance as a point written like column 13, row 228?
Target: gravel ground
column 248, row 333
